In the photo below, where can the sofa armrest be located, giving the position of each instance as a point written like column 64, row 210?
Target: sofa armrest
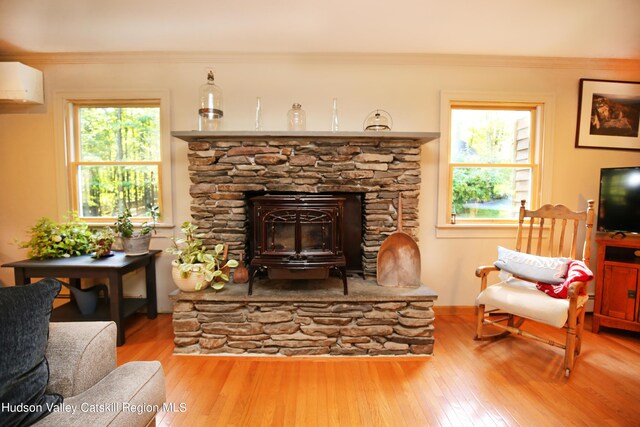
column 79, row 354
column 130, row 395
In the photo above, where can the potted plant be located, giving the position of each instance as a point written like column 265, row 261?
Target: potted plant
column 50, row 239
column 195, row 266
column 101, row 242
column 136, row 243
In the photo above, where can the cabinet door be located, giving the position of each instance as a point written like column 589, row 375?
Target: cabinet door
column 619, row 293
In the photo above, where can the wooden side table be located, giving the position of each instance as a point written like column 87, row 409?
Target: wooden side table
column 112, row 268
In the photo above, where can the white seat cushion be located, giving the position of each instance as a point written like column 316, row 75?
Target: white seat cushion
column 521, row 298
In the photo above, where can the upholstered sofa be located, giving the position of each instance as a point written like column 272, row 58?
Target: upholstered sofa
column 82, row 367
column 65, row 374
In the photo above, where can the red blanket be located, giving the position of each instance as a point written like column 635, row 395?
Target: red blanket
column 577, row 272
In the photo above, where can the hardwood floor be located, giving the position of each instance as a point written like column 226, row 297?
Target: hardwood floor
column 512, row 381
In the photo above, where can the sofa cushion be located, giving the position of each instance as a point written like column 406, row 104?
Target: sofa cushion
column 24, row 373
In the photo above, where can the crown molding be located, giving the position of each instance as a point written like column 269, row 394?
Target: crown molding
column 324, row 58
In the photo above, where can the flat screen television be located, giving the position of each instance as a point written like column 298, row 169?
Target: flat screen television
column 619, row 205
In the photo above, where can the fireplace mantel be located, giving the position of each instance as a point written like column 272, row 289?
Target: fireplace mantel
column 200, row 136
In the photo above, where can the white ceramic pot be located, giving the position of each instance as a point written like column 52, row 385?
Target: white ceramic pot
column 188, row 283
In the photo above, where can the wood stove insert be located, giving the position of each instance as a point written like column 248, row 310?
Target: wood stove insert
column 297, row 236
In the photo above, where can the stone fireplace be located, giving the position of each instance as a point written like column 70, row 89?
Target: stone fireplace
column 225, row 166
column 228, row 169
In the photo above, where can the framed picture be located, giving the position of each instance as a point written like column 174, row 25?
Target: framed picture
column 608, row 115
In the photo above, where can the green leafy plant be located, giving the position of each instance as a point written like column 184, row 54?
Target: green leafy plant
column 101, row 241
column 50, row 239
column 193, row 256
column 125, row 227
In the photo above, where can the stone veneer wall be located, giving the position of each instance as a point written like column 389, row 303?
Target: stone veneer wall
column 303, row 328
column 222, row 170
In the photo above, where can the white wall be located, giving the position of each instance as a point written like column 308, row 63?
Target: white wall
column 406, row 86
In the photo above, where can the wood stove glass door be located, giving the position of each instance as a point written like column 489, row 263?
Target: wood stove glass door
column 315, row 232
column 298, row 231
column 280, row 232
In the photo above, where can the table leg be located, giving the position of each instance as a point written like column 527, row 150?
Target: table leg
column 115, row 306
column 150, row 277
column 19, row 276
column 76, row 283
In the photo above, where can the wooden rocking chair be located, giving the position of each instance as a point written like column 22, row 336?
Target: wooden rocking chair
column 516, row 299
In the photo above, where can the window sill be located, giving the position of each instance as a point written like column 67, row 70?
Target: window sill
column 476, row 231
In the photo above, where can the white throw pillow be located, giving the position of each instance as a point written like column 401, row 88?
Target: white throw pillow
column 533, row 267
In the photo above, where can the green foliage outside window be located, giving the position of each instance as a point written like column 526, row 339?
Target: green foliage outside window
column 119, row 160
column 486, row 139
column 480, row 185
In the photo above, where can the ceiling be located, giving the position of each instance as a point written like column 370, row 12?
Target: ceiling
column 544, row 28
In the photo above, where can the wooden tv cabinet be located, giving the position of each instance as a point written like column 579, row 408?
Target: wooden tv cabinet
column 617, row 299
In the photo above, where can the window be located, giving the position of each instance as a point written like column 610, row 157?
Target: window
column 491, row 166
column 490, row 160
column 116, row 158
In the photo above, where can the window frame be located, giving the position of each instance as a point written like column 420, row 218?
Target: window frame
column 68, row 149
column 540, row 160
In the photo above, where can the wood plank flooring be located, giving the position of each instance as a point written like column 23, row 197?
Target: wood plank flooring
column 509, row 382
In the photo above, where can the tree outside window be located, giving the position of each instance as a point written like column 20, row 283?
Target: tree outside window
column 116, row 158
column 491, row 164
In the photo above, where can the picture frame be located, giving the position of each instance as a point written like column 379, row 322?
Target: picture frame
column 608, row 115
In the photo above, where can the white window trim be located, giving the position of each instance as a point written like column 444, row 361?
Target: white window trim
column 544, row 154
column 63, row 101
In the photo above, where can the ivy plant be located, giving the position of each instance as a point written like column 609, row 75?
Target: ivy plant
column 192, row 255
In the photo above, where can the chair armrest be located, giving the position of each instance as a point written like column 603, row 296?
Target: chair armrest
column 484, row 270
column 575, row 288
column 79, row 354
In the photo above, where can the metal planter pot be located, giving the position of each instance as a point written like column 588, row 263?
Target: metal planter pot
column 136, row 245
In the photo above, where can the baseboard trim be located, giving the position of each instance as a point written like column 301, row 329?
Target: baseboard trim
column 463, row 310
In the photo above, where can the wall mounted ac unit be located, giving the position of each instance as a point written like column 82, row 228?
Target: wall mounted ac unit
column 20, row 83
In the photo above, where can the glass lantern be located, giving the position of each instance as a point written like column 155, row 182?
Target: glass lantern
column 210, row 112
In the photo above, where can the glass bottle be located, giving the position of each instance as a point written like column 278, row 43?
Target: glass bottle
column 210, row 112
column 334, row 116
column 296, row 118
column 258, row 114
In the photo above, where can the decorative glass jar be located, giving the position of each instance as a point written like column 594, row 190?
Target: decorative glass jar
column 296, row 118
column 210, row 111
column 378, row 120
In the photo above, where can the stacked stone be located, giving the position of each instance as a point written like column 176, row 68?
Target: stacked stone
column 304, row 328
column 222, row 171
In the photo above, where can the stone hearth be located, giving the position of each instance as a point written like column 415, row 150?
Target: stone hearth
column 309, row 317
column 224, row 166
